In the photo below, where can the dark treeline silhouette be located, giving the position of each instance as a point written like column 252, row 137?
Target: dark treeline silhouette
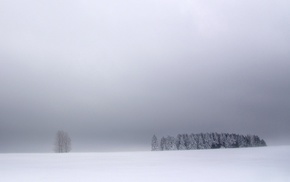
column 205, row 141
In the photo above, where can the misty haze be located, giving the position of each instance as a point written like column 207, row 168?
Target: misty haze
column 112, row 73
column 105, row 76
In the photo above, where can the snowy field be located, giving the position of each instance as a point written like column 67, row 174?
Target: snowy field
column 220, row 165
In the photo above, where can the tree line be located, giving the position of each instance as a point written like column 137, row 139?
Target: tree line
column 205, row 141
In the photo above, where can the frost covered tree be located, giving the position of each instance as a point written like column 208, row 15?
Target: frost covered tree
column 162, row 143
column 230, row 141
column 201, row 144
column 215, row 141
column 207, row 141
column 62, row 142
column 180, row 143
column 192, row 142
column 154, row 143
column 170, row 143
column 263, row 143
column 186, row 140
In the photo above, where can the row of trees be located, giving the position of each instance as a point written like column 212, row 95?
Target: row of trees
column 205, row 141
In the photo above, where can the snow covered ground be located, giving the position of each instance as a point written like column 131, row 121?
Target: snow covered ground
column 220, row 165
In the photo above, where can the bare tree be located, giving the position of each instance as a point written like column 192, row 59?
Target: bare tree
column 62, row 142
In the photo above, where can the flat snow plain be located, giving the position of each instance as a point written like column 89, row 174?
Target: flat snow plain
column 219, row 165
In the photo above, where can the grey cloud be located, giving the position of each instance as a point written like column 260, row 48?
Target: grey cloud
column 114, row 73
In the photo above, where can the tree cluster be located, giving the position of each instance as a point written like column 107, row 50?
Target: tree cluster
column 205, row 141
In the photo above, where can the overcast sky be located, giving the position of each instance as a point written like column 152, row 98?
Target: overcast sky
column 113, row 73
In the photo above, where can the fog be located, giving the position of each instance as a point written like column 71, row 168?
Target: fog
column 114, row 73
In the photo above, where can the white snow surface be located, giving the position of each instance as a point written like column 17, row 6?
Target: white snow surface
column 218, row 165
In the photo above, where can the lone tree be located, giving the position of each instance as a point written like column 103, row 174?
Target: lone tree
column 62, row 142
